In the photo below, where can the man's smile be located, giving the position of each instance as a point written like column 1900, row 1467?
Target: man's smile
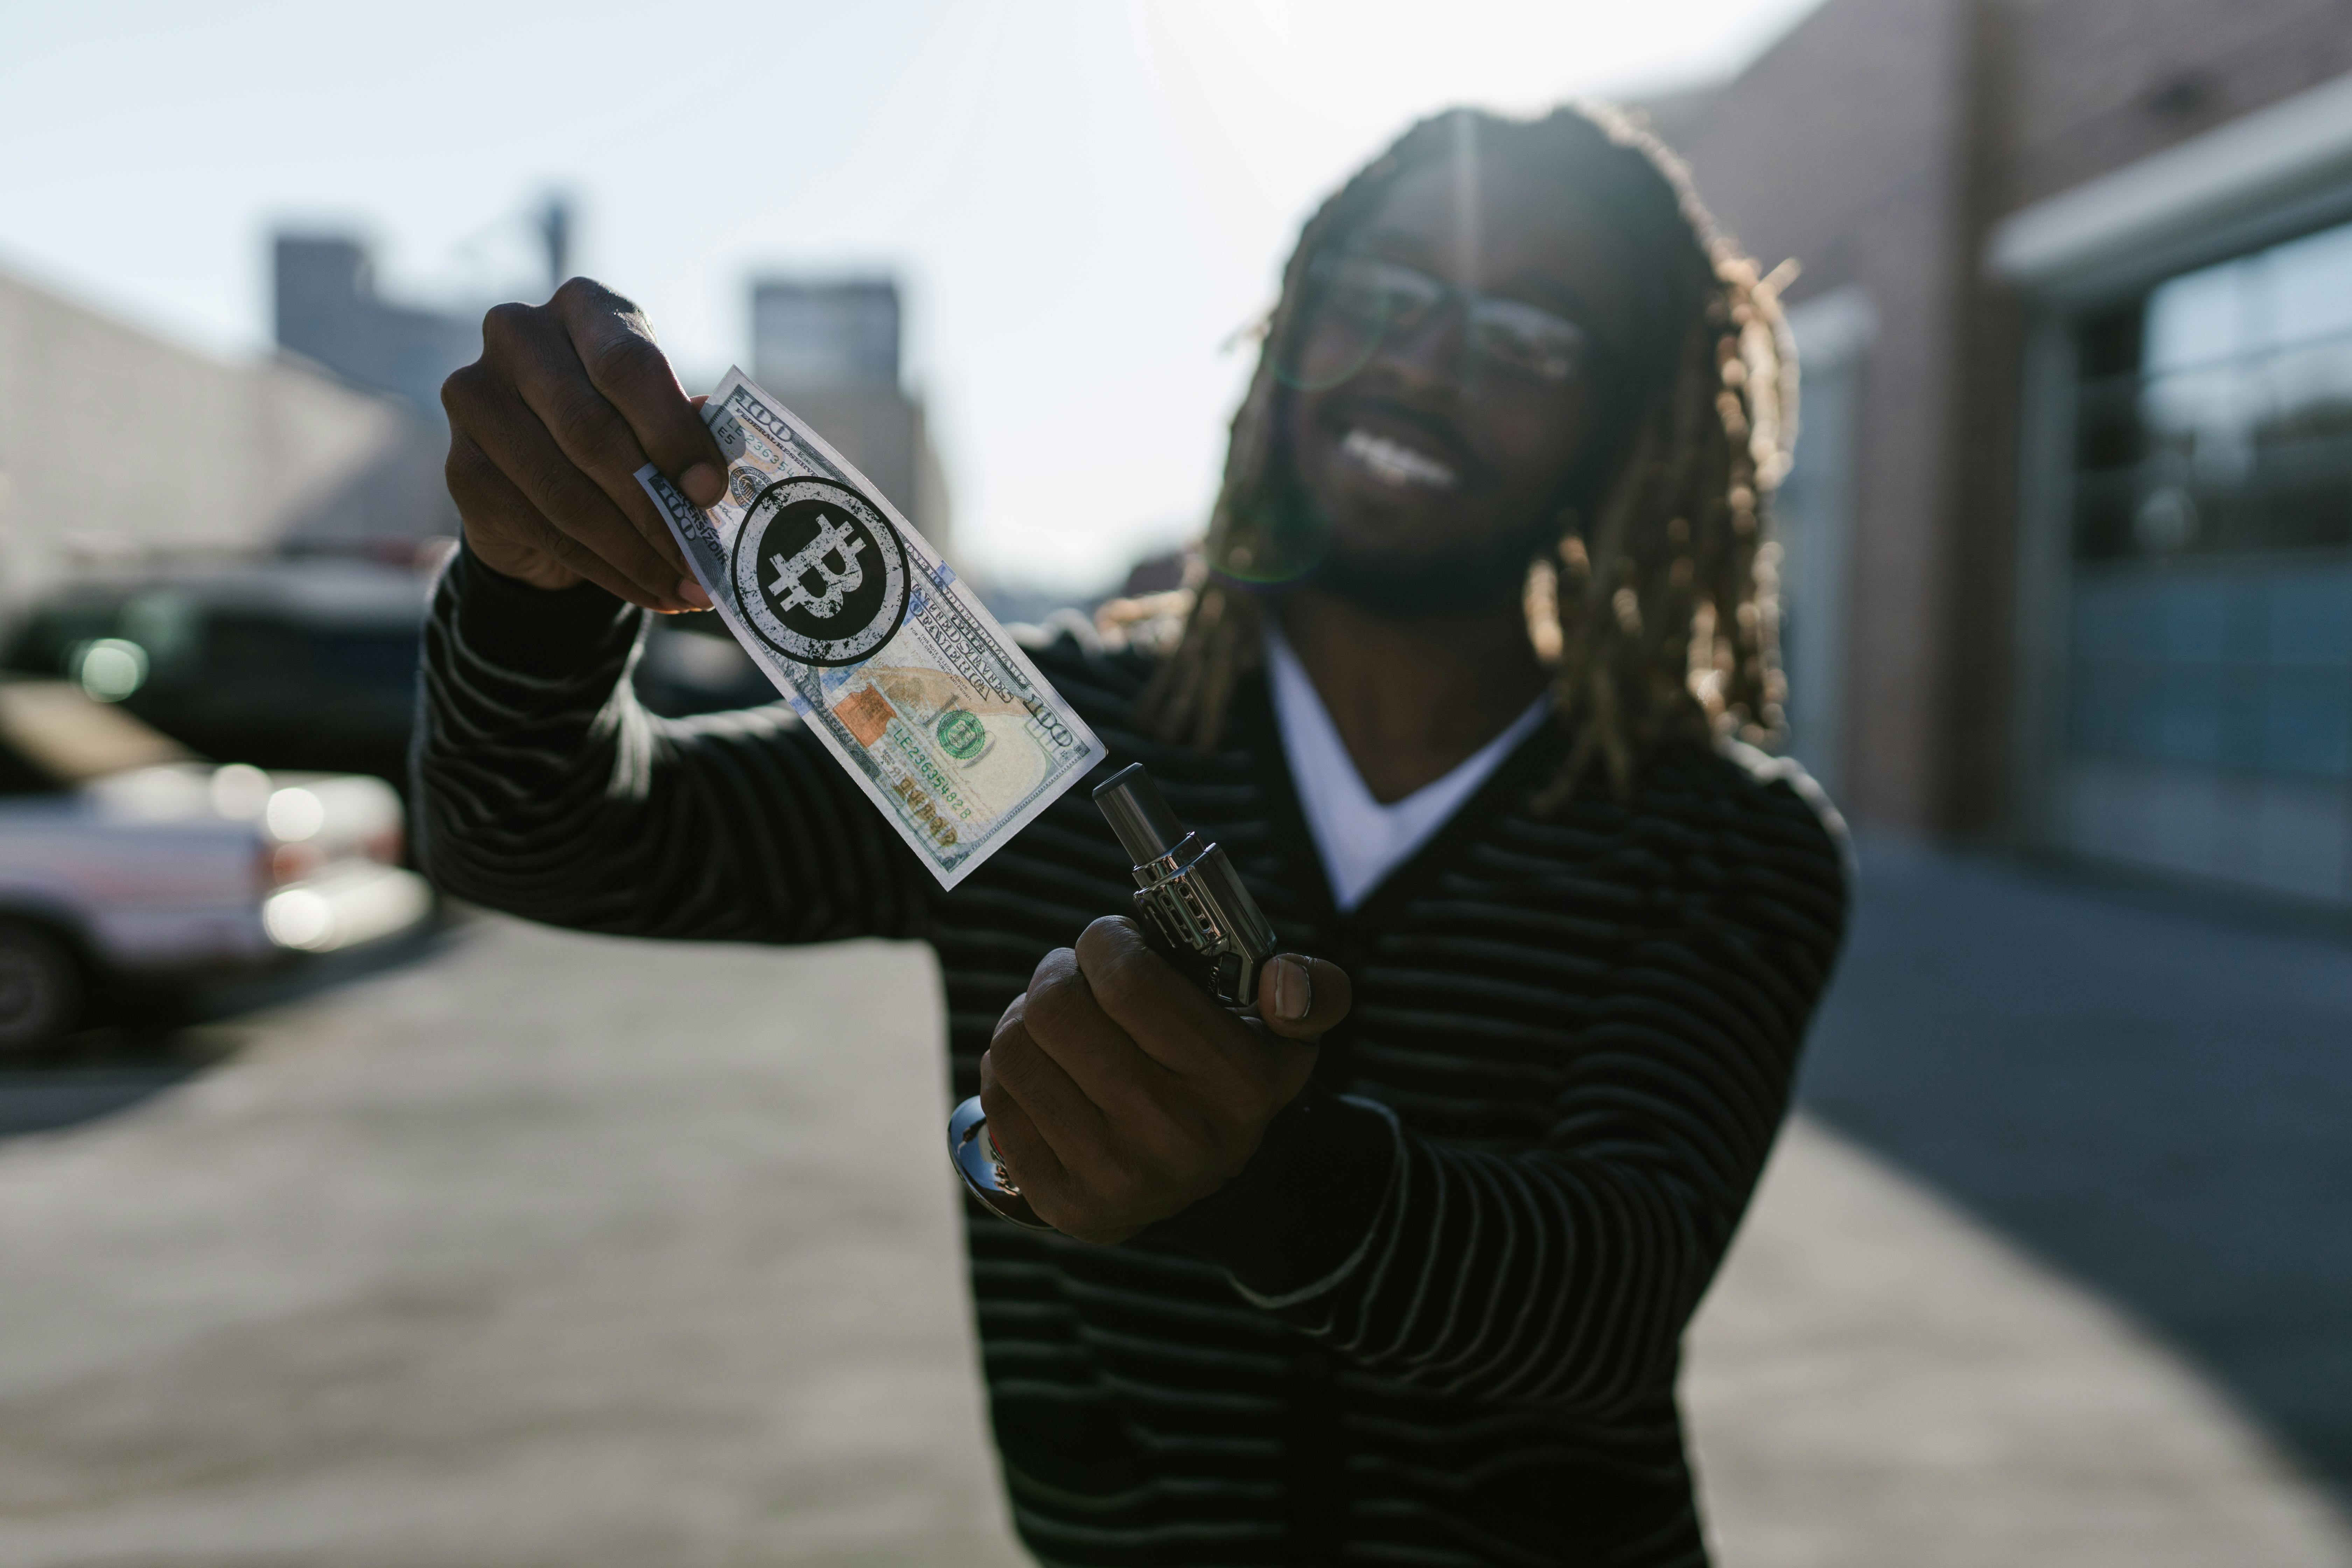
column 1396, row 446
column 1395, row 463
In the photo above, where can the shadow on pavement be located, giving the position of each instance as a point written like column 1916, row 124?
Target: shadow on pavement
column 2151, row 1093
column 161, row 1042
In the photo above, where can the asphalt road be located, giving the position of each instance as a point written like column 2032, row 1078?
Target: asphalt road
column 537, row 1249
column 542, row 1250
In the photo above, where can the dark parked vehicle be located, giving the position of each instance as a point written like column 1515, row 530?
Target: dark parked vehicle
column 306, row 664
column 284, row 664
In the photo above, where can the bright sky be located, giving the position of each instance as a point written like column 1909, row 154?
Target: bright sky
column 1082, row 198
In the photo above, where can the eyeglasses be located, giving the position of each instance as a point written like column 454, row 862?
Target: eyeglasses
column 1364, row 300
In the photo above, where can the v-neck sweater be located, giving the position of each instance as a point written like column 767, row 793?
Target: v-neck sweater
column 1362, row 839
column 1437, row 1318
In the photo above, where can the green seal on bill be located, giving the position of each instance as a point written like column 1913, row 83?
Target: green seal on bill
column 960, row 734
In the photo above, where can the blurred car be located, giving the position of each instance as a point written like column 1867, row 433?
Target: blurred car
column 308, row 664
column 305, row 664
column 124, row 861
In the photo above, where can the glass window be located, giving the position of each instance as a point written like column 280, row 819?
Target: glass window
column 2307, row 299
column 2198, row 320
column 1811, row 514
column 2211, row 616
column 2243, row 664
column 2215, row 414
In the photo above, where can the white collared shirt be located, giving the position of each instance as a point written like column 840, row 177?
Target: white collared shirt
column 1359, row 839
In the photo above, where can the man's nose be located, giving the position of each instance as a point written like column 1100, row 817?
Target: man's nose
column 1434, row 351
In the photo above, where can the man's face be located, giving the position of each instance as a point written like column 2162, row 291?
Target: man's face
column 1438, row 467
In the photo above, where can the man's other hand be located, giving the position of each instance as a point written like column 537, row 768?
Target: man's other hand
column 547, row 431
column 1119, row 1094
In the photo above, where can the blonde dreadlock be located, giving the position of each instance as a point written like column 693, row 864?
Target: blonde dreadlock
column 1656, row 613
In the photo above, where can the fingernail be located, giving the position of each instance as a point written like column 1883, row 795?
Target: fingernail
column 703, row 484
column 691, row 592
column 1294, row 989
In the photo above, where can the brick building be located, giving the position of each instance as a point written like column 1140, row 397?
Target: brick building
column 2070, row 533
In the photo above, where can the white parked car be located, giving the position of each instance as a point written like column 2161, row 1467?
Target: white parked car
column 123, row 860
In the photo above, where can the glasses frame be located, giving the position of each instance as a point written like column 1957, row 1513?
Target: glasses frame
column 1444, row 296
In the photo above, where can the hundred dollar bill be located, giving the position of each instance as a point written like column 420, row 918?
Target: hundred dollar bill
column 909, row 683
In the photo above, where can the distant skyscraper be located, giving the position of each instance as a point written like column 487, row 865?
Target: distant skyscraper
column 826, row 335
column 830, row 350
column 329, row 311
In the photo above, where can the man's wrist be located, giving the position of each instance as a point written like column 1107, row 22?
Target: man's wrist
column 534, row 568
column 518, row 626
column 1303, row 1203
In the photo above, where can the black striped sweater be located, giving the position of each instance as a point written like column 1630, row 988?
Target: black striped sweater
column 1437, row 1320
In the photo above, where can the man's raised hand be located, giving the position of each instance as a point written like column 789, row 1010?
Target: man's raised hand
column 547, row 428
column 1119, row 1094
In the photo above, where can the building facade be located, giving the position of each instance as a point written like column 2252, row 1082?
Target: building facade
column 327, row 310
column 830, row 350
column 120, row 451
column 2069, row 536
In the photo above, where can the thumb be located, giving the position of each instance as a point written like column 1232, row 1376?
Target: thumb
column 1299, row 998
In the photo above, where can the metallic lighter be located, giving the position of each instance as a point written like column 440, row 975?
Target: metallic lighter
column 1189, row 894
column 1195, row 912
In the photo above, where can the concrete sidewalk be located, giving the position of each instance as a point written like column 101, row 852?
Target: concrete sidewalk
column 2151, row 1095
column 553, row 1249
column 1878, row 1379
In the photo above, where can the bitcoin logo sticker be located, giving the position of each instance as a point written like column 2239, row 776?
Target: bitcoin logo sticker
column 819, row 573
column 832, row 559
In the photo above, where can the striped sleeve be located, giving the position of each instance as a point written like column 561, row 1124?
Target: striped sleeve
column 542, row 788
column 1564, row 1274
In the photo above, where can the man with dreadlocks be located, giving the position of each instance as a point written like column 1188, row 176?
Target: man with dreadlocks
column 1465, row 692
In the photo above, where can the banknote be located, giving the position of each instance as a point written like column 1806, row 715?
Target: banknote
column 877, row 643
